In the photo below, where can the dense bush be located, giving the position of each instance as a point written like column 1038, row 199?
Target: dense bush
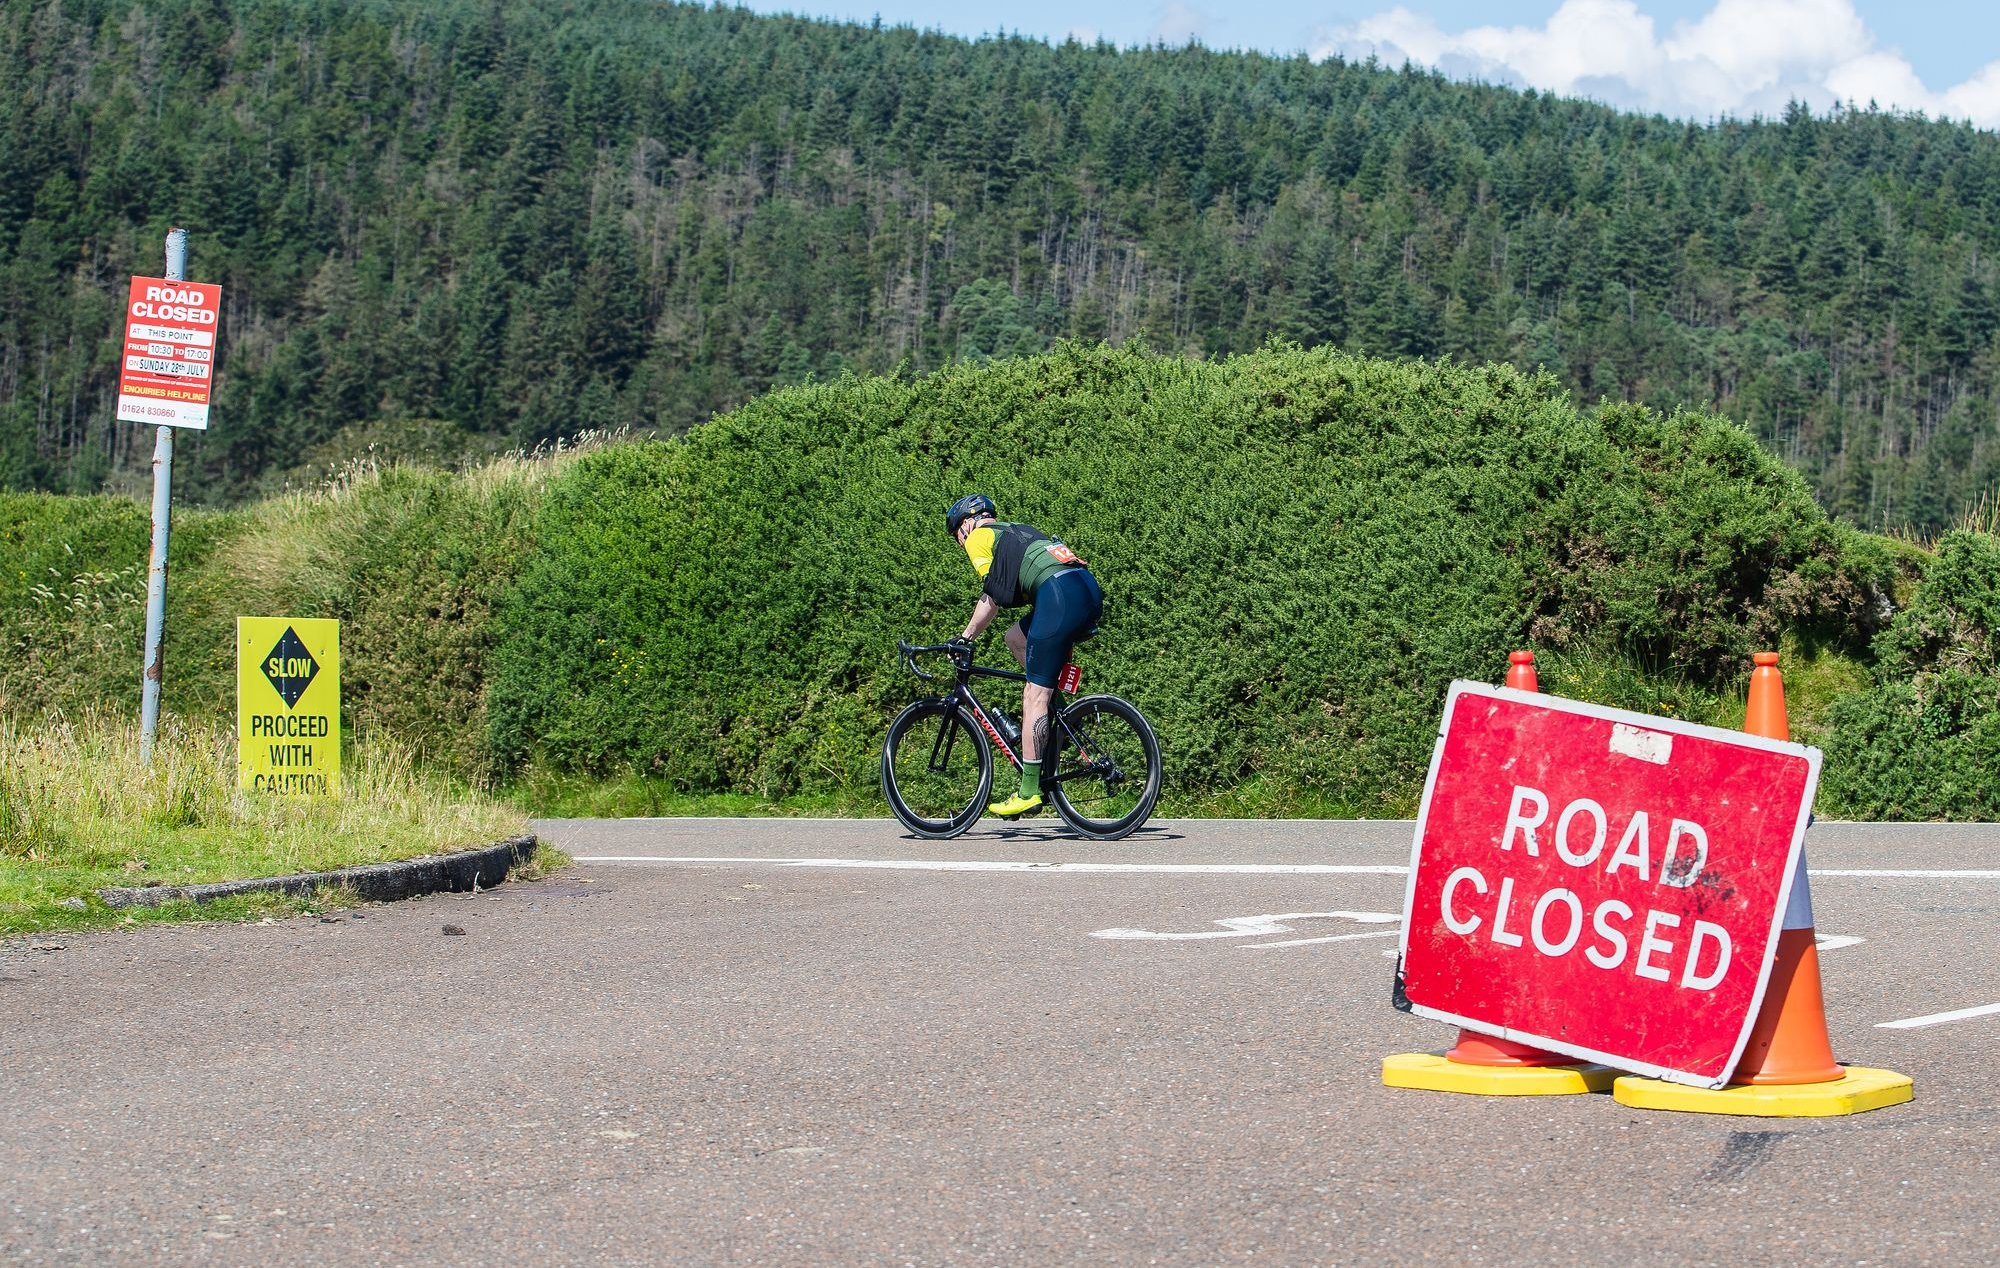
column 410, row 560
column 45, row 541
column 1300, row 549
column 73, row 596
column 1924, row 743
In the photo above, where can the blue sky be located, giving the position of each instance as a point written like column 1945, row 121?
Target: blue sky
column 1694, row 58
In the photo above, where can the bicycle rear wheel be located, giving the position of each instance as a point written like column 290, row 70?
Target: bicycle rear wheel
column 1107, row 768
column 937, row 769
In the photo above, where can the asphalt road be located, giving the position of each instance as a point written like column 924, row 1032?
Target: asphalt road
column 688, row 1050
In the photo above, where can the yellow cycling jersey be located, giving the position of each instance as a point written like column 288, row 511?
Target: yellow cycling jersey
column 979, row 546
column 1014, row 560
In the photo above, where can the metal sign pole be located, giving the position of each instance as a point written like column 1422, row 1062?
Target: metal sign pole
column 156, row 572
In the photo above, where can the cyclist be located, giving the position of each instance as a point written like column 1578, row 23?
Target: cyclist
column 1021, row 565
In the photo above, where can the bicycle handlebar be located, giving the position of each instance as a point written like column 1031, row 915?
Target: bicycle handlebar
column 960, row 659
column 910, row 652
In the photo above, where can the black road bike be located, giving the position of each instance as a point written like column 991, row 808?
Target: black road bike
column 1101, row 769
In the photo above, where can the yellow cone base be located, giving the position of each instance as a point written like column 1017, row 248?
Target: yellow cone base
column 1860, row 1089
column 1431, row 1072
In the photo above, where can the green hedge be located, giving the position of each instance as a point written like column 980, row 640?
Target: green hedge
column 410, row 560
column 1300, row 550
column 73, row 597
column 1924, row 743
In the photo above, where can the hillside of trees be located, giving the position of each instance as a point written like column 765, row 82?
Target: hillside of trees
column 514, row 220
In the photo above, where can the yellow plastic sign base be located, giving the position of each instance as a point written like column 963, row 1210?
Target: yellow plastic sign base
column 1434, row 1072
column 1860, row 1089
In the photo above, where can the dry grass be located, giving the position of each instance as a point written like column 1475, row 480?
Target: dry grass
column 1983, row 516
column 79, row 810
column 296, row 544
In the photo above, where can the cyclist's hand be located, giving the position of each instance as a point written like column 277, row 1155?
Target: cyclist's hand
column 961, row 649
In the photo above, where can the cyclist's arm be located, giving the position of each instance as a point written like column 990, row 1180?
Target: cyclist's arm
column 983, row 613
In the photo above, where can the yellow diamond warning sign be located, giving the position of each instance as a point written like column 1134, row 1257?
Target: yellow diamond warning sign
column 287, row 704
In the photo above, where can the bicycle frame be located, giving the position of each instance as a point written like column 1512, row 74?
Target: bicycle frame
column 962, row 695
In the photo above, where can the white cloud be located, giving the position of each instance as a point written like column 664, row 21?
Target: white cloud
column 1178, row 23
column 1742, row 57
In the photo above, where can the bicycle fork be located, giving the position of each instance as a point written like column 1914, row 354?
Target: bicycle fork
column 948, row 737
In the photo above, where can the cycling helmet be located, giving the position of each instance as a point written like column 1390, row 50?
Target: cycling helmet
column 965, row 508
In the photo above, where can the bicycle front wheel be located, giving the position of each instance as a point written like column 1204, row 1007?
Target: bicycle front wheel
column 937, row 769
column 1107, row 768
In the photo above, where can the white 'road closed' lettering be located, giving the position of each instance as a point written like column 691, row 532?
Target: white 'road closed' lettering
column 1539, row 928
column 1675, row 874
column 1614, row 946
column 1500, row 934
column 1451, row 882
column 1557, row 922
column 1525, row 826
column 1599, row 826
column 1648, row 944
column 1584, row 826
column 1704, row 931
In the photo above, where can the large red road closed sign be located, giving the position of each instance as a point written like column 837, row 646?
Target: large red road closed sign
column 1599, row 883
column 169, row 357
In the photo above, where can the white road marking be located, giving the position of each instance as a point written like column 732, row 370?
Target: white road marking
column 976, row 865
column 886, row 822
column 1911, row 874
column 1252, row 927
column 1184, row 869
column 1339, row 937
column 1939, row 1019
column 1835, row 941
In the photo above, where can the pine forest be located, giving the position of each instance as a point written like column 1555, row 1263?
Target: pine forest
column 465, row 226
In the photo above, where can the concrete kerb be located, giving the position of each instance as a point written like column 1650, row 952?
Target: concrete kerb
column 375, row 882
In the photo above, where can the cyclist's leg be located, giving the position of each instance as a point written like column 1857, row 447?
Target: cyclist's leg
column 1045, row 638
column 1087, row 628
column 1017, row 639
column 1069, row 604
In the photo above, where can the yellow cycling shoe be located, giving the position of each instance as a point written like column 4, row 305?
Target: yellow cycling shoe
column 1015, row 806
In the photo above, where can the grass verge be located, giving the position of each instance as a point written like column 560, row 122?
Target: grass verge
column 552, row 794
column 80, row 811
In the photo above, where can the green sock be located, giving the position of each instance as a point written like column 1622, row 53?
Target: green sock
column 1031, row 779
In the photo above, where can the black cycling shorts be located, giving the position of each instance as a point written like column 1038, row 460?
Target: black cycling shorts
column 1067, row 605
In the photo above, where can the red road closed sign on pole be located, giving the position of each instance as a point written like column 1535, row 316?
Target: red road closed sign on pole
column 169, row 355
column 1599, row 883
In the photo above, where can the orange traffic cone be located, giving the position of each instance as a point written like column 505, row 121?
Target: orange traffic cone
column 1787, row 1069
column 1789, row 1043
column 1477, row 1049
column 1487, row 1064
column 1765, row 713
column 1521, row 671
